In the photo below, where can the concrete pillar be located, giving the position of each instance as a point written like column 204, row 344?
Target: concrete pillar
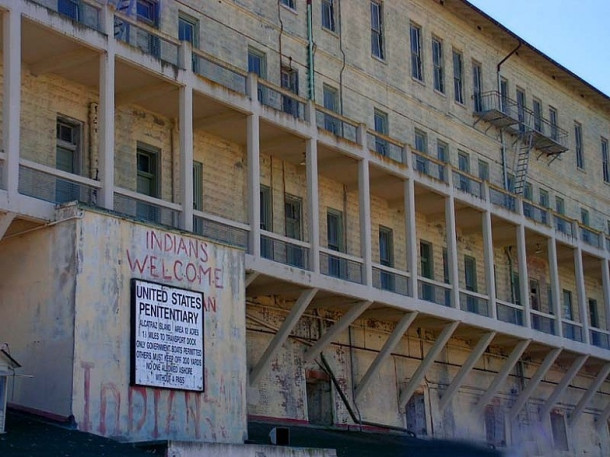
column 555, row 287
column 581, row 294
column 186, row 156
column 606, row 286
column 488, row 251
column 364, row 200
column 313, row 213
column 11, row 119
column 412, row 246
column 254, row 184
column 524, row 286
column 452, row 251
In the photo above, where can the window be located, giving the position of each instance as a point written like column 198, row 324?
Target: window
column 584, row 216
column 580, row 158
column 483, row 170
column 148, row 11
column 464, row 165
column 510, row 182
column 377, row 30
column 567, row 304
column 337, row 266
column 528, row 191
column 470, row 273
column 593, row 314
column 331, row 103
column 288, row 3
column 416, row 53
column 380, row 120
column 535, row 294
column 416, row 414
column 147, row 181
column 427, row 270
column 442, row 153
column 328, row 14
column 558, row 428
column 198, row 195
column 477, row 87
column 386, row 256
column 504, row 95
column 68, row 8
column 289, row 79
column 293, row 215
column 421, row 141
column 257, row 62
column 553, row 122
column 266, row 221
column 544, row 198
column 67, row 158
column 495, row 431
column 521, row 109
column 560, row 205
column 437, row 63
column 188, row 29
column 458, row 77
column 537, row 116
column 605, row 161
column 516, row 288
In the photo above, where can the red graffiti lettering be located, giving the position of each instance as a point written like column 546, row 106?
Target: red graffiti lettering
column 112, row 390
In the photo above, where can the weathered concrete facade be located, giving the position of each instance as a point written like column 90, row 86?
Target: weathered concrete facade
column 403, row 268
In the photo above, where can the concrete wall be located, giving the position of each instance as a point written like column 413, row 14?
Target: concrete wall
column 176, row 449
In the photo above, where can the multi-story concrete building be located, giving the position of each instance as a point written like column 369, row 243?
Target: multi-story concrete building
column 421, row 199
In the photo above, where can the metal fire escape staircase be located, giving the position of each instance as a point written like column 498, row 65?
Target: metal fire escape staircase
column 529, row 131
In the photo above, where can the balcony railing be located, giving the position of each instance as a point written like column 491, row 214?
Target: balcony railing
column 434, row 291
column 281, row 99
column 221, row 230
column 563, row 224
column 503, row 198
column 474, row 303
column 336, row 124
column 497, row 110
column 391, row 279
column 591, row 237
column 536, row 213
column 600, row 338
column 285, row 250
column 220, row 72
column 429, row 166
column 386, row 147
column 572, row 330
column 467, row 183
column 85, row 12
column 147, row 39
column 340, row 265
column 543, row 322
column 145, row 208
column 509, row 312
column 56, row 186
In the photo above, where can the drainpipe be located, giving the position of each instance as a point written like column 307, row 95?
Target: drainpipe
column 310, row 69
column 499, row 66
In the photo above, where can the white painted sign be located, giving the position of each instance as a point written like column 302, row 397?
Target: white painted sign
column 167, row 336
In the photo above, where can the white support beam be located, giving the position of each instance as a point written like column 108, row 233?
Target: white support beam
column 452, row 251
column 581, row 294
column 354, row 312
column 399, row 331
column 11, row 119
column 364, row 199
column 186, row 157
column 313, row 215
column 562, row 386
column 602, row 419
column 488, row 251
column 250, row 277
column 254, row 184
column 555, row 287
column 588, row 395
column 524, row 282
column 491, row 391
column 282, row 334
column 468, row 365
column 412, row 246
column 5, row 222
column 533, row 383
column 425, row 364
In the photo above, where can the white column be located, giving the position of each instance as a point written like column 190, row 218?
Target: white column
column 11, row 120
column 254, row 184
column 606, row 286
column 452, row 251
column 524, row 282
column 488, row 251
column 313, row 215
column 555, row 287
column 410, row 225
column 186, row 156
column 581, row 293
column 365, row 221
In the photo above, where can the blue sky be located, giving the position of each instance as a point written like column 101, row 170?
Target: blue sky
column 574, row 33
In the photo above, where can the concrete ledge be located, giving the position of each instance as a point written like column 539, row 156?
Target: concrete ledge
column 188, row 449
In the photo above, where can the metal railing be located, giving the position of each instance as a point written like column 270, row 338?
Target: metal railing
column 434, row 291
column 600, row 338
column 467, row 183
column 572, row 330
column 217, row 71
column 563, row 224
column 336, row 124
column 503, row 198
column 145, row 208
column 509, row 312
column 428, row 165
column 340, row 265
column 55, row 186
column 391, row 279
column 221, row 230
column 474, row 303
column 285, row 250
column 591, row 237
column 386, row 147
column 543, row 322
column 85, row 12
column 281, row 99
column 535, row 212
column 147, row 39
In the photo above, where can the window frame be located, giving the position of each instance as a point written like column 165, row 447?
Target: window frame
column 477, row 86
column 553, row 121
column 254, row 53
column 423, row 136
column 426, row 263
column 579, row 146
column 458, row 76
column 388, row 233
column 335, row 215
column 288, row 4
column 537, row 115
column 328, row 15
column 417, row 66
column 605, row 160
column 155, row 154
column 483, row 169
column 376, row 25
column 438, row 65
column 184, row 18
column 153, row 6
column 297, row 202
